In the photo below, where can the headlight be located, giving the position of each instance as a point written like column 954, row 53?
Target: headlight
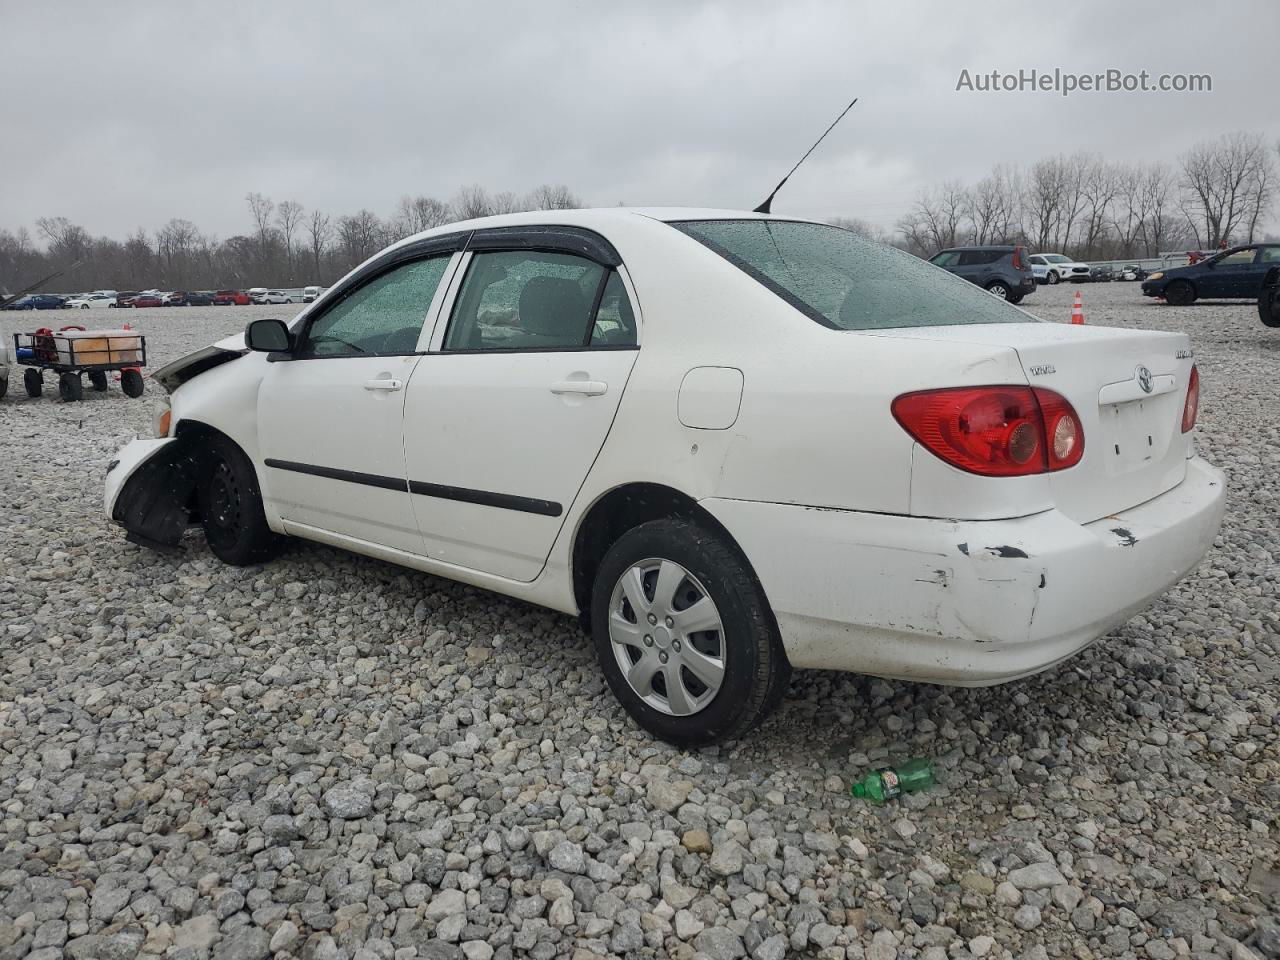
column 162, row 418
column 1155, row 276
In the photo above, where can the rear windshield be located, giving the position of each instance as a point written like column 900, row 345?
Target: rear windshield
column 844, row 281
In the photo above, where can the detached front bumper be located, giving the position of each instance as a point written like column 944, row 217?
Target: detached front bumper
column 966, row 603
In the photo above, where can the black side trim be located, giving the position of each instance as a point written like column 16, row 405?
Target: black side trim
column 576, row 240
column 503, row 501
column 347, row 476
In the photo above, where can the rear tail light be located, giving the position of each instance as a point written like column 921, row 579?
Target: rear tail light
column 1017, row 258
column 1191, row 409
column 995, row 431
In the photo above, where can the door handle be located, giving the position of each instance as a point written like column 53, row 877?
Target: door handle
column 590, row 388
column 389, row 383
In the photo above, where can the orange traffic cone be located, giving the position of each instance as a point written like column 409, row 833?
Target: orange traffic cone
column 1077, row 309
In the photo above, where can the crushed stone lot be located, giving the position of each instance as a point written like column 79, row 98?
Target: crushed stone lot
column 332, row 758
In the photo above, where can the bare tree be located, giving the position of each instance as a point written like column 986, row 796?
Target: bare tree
column 552, row 197
column 261, row 209
column 359, row 235
column 939, row 215
column 507, row 202
column 470, row 202
column 993, row 207
column 289, row 218
column 1226, row 187
column 416, row 214
column 319, row 232
column 1157, row 208
column 175, row 243
column 1099, row 182
column 1042, row 202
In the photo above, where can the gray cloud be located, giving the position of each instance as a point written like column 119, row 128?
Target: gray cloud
column 125, row 114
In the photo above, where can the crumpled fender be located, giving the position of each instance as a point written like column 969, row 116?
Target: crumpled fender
column 150, row 484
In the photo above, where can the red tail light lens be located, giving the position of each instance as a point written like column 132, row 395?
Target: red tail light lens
column 1191, row 409
column 1017, row 258
column 996, row 431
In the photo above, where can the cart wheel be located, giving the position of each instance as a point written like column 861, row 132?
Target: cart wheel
column 70, row 387
column 99, row 379
column 33, row 380
column 131, row 382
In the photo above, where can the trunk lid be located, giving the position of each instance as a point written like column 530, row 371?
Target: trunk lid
column 1134, row 446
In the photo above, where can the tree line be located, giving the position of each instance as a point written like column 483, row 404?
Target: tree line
column 1216, row 194
column 287, row 245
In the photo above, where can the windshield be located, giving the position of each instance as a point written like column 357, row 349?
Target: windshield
column 844, row 281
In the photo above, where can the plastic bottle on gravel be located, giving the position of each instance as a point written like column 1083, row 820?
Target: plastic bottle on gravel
column 886, row 783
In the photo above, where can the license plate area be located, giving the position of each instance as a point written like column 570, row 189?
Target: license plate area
column 1135, row 433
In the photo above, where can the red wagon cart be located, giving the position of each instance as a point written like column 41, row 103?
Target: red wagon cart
column 74, row 351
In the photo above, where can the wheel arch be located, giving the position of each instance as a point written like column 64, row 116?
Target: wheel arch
column 623, row 508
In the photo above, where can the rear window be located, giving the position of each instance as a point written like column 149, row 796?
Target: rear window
column 844, row 281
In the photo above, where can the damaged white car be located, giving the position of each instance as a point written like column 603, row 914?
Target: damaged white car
column 733, row 443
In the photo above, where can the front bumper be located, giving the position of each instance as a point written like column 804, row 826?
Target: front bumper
column 966, row 603
column 1153, row 289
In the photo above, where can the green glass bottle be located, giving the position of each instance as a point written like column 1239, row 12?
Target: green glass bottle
column 888, row 782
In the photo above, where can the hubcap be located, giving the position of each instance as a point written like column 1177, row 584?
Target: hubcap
column 999, row 291
column 667, row 637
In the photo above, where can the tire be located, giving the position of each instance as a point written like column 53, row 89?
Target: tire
column 1179, row 293
column 1054, row 278
column 70, row 387
column 1268, row 307
column 4, row 386
column 98, row 380
column 33, row 381
column 998, row 288
column 1015, row 298
column 698, row 566
column 131, row 383
column 230, row 502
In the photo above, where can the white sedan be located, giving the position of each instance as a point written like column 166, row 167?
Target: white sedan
column 733, row 444
column 89, row 300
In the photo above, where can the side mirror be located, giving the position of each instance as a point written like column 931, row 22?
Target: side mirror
column 268, row 336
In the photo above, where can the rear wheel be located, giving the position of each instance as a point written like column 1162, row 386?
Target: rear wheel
column 131, row 382
column 1269, row 306
column 998, row 288
column 684, row 635
column 230, row 504
column 1179, row 293
column 1015, row 297
column 4, row 385
column 70, row 387
column 33, row 382
column 98, row 378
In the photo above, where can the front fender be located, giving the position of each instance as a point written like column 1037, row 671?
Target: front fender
column 148, row 490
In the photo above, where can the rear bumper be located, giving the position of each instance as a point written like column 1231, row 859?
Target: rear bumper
column 966, row 602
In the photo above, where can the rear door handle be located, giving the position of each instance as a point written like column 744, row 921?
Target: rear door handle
column 389, row 383
column 590, row 388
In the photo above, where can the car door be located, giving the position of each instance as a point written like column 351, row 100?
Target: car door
column 975, row 266
column 506, row 413
column 1228, row 276
column 330, row 414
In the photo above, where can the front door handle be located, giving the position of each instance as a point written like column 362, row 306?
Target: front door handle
column 590, row 388
column 388, row 383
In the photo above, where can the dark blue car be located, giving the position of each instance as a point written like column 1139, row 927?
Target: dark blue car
column 38, row 301
column 1235, row 274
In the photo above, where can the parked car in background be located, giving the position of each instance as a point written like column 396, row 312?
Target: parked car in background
column 1101, row 274
column 1269, row 299
column 124, row 298
column 1234, row 274
column 1002, row 270
column 1131, row 271
column 175, row 298
column 38, row 301
column 310, row 293
column 199, row 298
column 228, row 298
column 256, row 292
column 733, row 443
column 271, row 296
column 1055, row 268
column 146, row 300
column 86, row 301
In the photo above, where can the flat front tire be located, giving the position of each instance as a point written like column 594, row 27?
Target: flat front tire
column 684, row 635
column 230, row 504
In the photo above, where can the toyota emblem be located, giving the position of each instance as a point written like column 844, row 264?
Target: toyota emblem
column 1145, row 380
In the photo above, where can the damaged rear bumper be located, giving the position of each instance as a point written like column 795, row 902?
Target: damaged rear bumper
column 966, row 602
column 148, row 490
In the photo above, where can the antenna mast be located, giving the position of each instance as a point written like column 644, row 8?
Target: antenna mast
column 765, row 207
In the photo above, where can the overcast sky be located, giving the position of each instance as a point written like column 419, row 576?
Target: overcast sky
column 122, row 114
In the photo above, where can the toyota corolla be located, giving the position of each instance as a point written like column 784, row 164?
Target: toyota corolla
column 732, row 443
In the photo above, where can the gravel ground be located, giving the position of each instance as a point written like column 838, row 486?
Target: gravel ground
column 330, row 757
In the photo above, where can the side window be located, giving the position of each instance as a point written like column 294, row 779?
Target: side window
column 382, row 318
column 973, row 258
column 615, row 324
column 1238, row 259
column 947, row 258
column 1269, row 255
column 524, row 300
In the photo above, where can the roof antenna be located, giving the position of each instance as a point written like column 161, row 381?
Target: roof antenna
column 765, row 207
